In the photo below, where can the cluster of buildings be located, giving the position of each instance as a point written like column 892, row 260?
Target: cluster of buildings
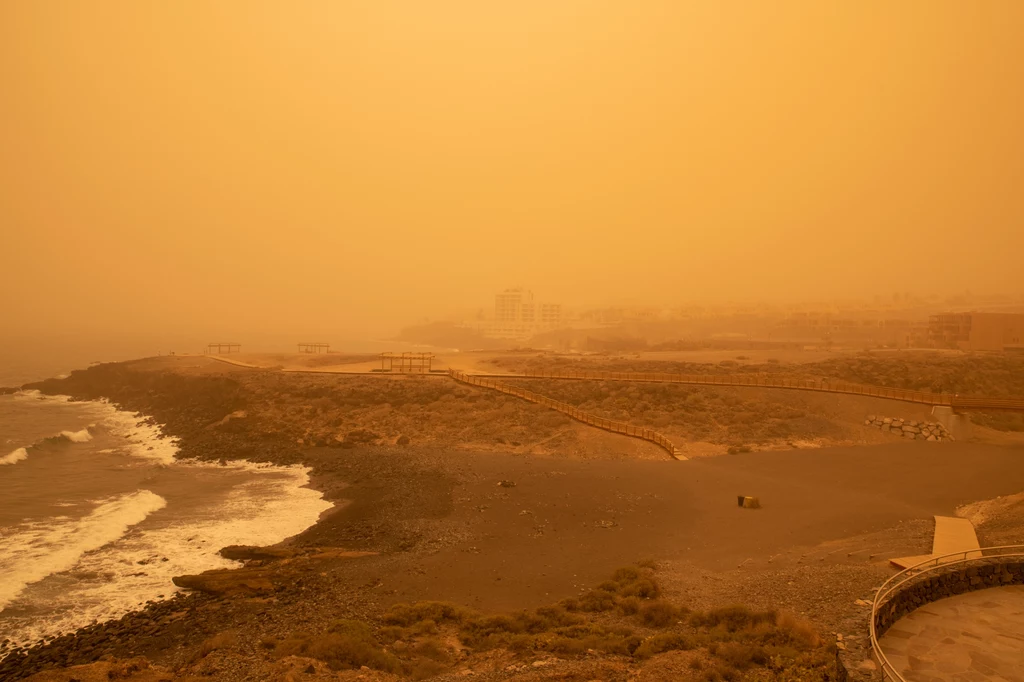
column 977, row 331
column 969, row 331
column 905, row 323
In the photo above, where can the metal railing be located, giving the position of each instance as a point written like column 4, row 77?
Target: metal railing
column 570, row 411
column 826, row 385
column 936, row 564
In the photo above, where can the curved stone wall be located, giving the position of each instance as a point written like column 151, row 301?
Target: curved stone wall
column 940, row 583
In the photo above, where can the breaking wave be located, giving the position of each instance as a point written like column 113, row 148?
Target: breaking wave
column 83, row 436
column 143, row 438
column 21, row 454
column 14, row 457
column 43, row 548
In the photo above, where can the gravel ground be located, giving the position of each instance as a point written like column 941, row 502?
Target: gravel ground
column 441, row 526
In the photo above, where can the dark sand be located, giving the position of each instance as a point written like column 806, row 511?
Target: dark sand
column 568, row 523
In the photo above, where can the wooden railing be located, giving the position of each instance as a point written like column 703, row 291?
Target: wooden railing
column 766, row 381
column 571, row 411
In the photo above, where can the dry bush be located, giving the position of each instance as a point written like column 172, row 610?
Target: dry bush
column 742, row 656
column 347, row 644
column 596, row 639
column 658, row 614
column 596, row 601
column 800, row 632
column 659, row 644
column 735, row 637
column 700, row 413
column 433, row 650
column 629, row 606
column 635, row 581
column 720, row 673
column 435, row 611
column 1000, row 421
column 425, row 669
column 732, row 619
column 486, row 632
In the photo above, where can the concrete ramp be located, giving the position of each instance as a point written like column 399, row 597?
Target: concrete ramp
column 952, row 534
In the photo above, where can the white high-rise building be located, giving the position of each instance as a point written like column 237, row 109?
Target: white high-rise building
column 518, row 316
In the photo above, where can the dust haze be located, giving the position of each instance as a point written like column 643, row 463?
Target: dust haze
column 534, row 341
column 189, row 172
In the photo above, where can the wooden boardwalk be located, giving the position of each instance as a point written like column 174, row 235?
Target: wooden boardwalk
column 953, row 400
column 571, row 411
column 492, row 381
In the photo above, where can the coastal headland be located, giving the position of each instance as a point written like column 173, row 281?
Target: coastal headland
column 629, row 565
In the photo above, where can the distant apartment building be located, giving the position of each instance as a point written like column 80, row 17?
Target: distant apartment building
column 550, row 315
column 513, row 305
column 977, row 331
column 517, row 315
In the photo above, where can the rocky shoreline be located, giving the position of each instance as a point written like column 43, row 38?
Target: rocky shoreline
column 426, row 521
column 184, row 412
column 163, row 620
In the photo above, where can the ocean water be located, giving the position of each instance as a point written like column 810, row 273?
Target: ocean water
column 97, row 515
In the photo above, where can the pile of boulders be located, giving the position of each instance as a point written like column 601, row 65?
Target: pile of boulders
column 913, row 430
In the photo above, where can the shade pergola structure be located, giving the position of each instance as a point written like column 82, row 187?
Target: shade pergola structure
column 221, row 348
column 314, row 348
column 406, row 363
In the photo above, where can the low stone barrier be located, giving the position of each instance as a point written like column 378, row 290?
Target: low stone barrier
column 939, row 584
column 910, row 429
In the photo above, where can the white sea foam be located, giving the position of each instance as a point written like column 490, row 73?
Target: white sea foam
column 123, row 575
column 33, row 394
column 82, row 436
column 143, row 439
column 14, row 457
column 63, row 573
column 30, row 553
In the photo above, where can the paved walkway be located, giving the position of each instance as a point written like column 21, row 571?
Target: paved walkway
column 977, row 636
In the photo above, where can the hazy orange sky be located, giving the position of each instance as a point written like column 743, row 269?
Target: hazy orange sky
column 321, row 166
